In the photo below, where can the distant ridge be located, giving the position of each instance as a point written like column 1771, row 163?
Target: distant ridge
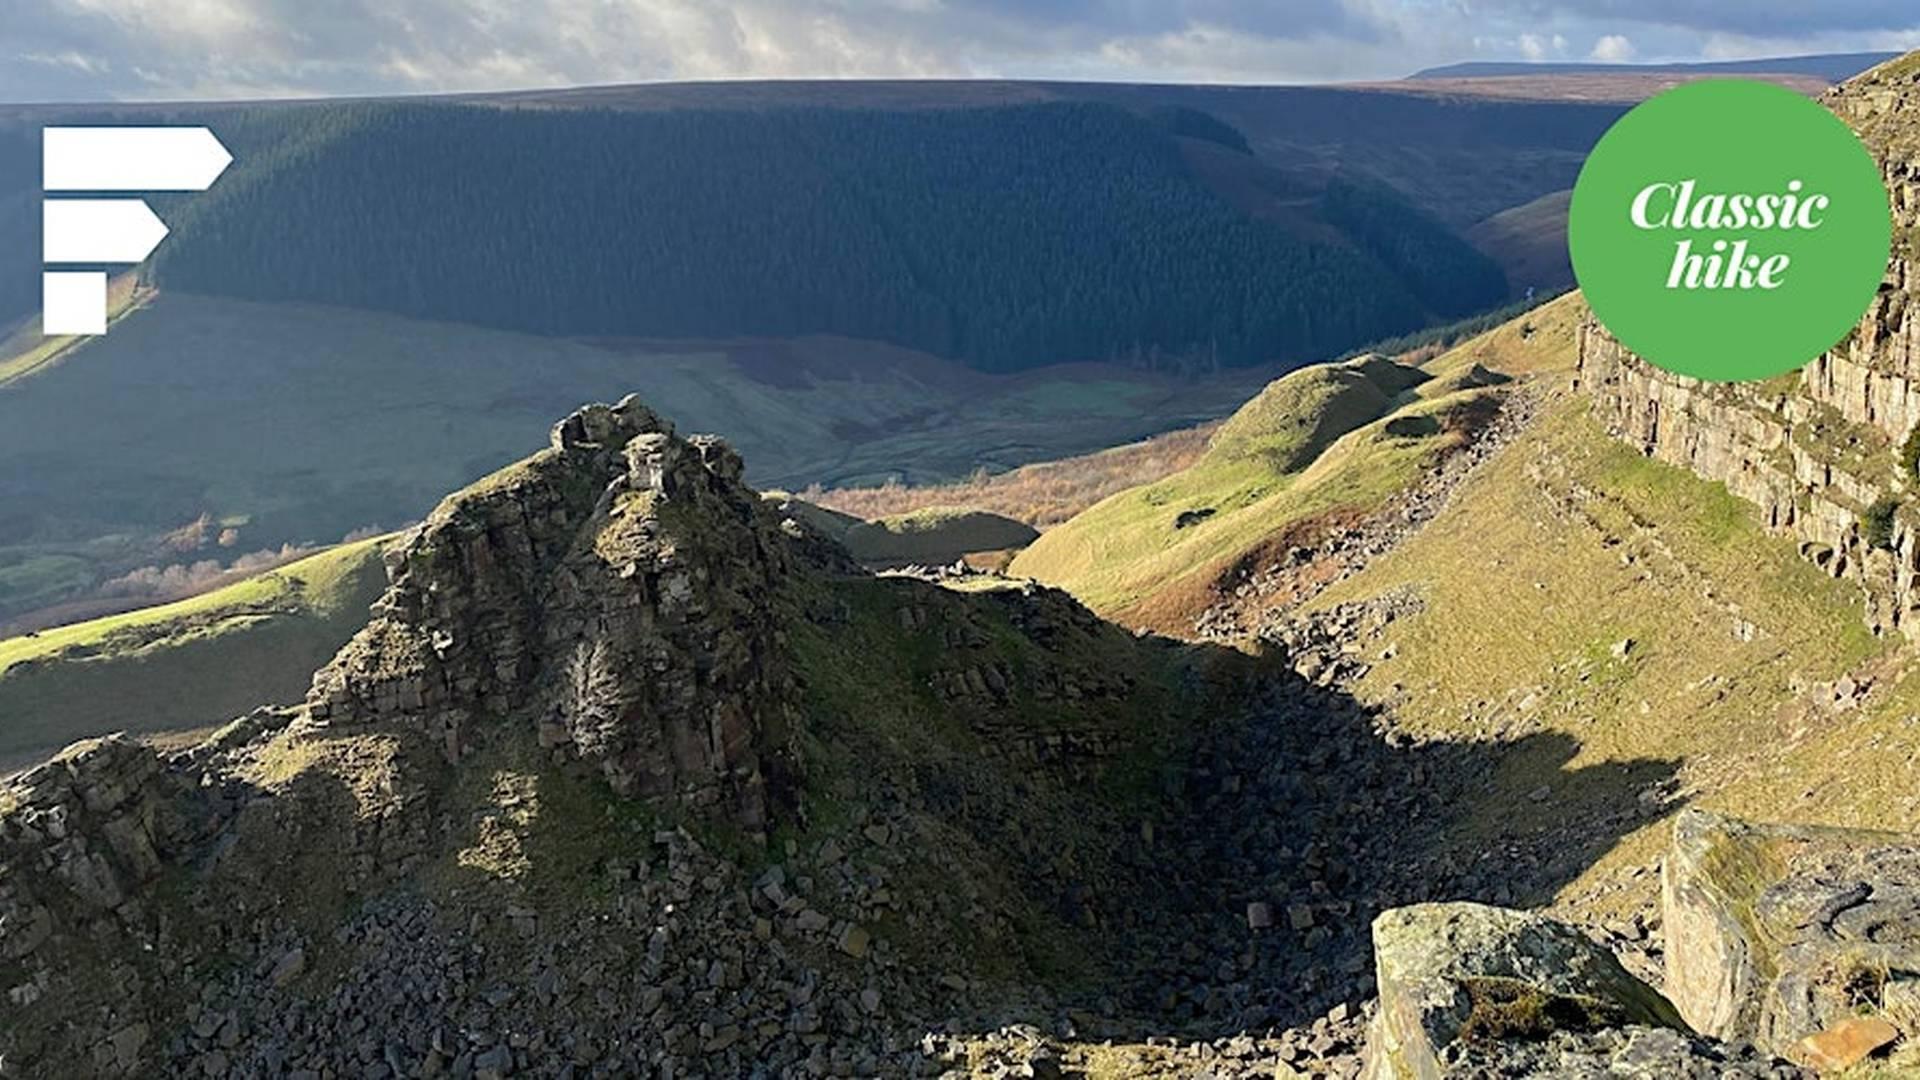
column 1833, row 67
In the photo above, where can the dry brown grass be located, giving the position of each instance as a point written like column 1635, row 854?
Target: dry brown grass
column 1042, row 494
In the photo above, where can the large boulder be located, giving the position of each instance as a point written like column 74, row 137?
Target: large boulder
column 1776, row 933
column 1458, row 982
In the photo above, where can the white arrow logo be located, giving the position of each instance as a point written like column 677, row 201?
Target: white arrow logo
column 95, row 231
column 99, row 230
column 131, row 158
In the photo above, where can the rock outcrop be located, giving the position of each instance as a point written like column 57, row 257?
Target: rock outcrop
column 613, row 591
column 1777, row 933
column 629, row 774
column 1815, row 451
column 81, row 836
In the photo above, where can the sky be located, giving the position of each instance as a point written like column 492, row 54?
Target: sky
column 96, row 50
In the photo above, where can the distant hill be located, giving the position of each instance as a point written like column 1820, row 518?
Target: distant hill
column 1004, row 238
column 1833, row 67
column 860, row 282
column 937, row 534
column 1530, row 240
column 1455, row 158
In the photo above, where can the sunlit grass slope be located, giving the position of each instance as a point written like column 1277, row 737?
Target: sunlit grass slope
column 1329, row 443
column 186, row 665
column 1575, row 587
column 1324, row 439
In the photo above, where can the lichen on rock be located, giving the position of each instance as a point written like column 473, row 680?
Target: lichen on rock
column 1776, row 932
column 1456, row 974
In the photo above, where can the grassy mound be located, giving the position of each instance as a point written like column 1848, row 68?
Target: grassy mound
column 826, row 522
column 1294, row 418
column 937, row 534
column 188, row 665
column 1330, row 440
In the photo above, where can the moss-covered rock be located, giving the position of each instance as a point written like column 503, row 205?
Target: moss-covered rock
column 1775, row 932
column 1453, row 974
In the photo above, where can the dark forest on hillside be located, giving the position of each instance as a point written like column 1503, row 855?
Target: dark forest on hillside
column 1003, row 237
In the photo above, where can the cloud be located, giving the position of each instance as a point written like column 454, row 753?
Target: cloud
column 1613, row 49
column 148, row 49
column 1751, row 18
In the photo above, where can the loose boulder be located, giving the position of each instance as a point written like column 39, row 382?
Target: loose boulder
column 1461, row 982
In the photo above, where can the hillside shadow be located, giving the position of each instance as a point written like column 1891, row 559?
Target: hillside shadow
column 1304, row 803
column 1289, row 828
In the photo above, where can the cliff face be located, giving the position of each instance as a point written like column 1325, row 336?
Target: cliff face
column 1816, row 450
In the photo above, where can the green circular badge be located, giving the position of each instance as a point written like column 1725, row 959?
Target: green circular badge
column 1729, row 230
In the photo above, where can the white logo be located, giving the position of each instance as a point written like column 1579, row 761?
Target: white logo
column 95, row 231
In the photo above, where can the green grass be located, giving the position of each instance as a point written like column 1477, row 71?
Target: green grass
column 1569, row 542
column 322, row 585
column 1331, row 441
column 1313, row 442
column 1544, row 340
column 189, row 665
column 27, row 350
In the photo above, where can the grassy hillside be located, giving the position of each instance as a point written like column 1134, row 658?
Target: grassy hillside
column 293, row 423
column 1530, row 242
column 1573, row 593
column 1567, row 546
column 28, row 350
column 1316, row 448
column 188, row 665
column 1577, row 608
column 1042, row 494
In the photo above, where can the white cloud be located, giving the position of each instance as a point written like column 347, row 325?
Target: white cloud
column 1613, row 49
column 100, row 49
column 70, row 59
